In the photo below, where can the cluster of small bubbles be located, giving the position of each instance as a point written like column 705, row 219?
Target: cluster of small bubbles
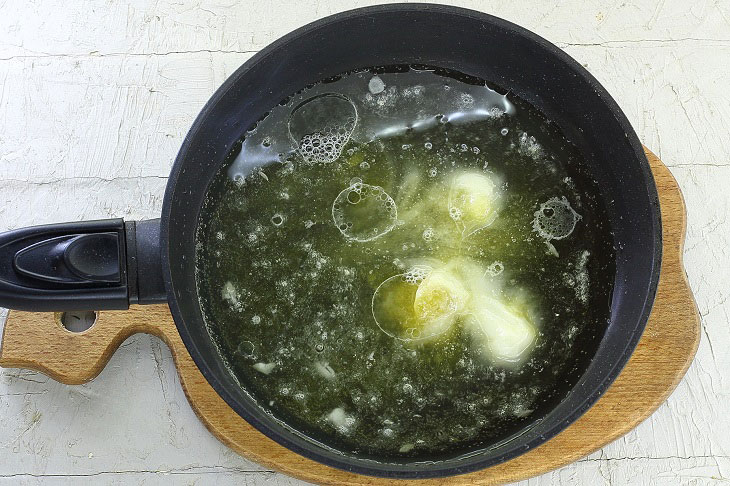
column 475, row 149
column 220, row 236
column 463, row 147
column 555, row 219
column 284, row 391
column 428, row 234
column 364, row 165
column 433, row 172
column 530, row 147
column 495, row 269
column 416, row 275
column 413, row 91
column 455, row 213
column 428, row 145
column 266, row 142
column 363, row 212
column 239, row 180
column 383, row 101
column 308, row 223
column 256, row 319
column 466, row 100
column 326, row 145
column 277, row 219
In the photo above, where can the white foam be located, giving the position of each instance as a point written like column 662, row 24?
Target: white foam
column 529, row 146
column 231, row 295
column 555, row 219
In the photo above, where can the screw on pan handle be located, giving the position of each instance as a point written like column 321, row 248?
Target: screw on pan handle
column 91, row 265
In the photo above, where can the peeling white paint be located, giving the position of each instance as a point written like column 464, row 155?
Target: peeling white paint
column 96, row 97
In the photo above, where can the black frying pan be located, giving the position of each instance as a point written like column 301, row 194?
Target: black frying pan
column 111, row 264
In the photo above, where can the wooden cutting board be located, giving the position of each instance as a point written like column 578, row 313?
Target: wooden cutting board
column 39, row 342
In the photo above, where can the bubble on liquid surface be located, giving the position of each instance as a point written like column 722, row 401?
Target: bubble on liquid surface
column 363, row 212
column 321, row 126
column 555, row 219
column 277, row 219
column 495, row 269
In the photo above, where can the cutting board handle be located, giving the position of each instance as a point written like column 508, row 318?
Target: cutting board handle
column 39, row 341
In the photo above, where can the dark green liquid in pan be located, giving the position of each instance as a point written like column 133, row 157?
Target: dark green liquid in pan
column 282, row 286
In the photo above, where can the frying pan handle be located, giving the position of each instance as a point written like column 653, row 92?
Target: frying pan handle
column 91, row 265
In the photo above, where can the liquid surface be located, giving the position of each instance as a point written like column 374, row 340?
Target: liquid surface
column 405, row 265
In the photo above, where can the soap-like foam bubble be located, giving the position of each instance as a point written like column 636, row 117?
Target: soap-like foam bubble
column 529, row 146
column 321, row 126
column 363, row 212
column 555, row 219
column 495, row 269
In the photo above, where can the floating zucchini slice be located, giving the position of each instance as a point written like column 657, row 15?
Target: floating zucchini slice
column 505, row 331
column 427, row 302
column 420, row 304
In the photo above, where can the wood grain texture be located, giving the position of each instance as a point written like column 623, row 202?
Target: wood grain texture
column 38, row 341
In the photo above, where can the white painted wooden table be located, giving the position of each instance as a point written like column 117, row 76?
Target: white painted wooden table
column 96, row 98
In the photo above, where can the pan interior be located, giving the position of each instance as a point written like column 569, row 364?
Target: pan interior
column 405, row 264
